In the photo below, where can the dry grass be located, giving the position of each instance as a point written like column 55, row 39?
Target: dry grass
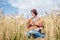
column 15, row 28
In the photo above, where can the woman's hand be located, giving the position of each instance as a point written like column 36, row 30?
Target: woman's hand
column 40, row 28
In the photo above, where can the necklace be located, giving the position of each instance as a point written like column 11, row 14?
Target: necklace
column 35, row 18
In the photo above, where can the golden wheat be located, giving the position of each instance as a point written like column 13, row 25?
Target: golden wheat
column 15, row 28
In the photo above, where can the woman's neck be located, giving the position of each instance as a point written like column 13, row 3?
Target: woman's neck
column 34, row 17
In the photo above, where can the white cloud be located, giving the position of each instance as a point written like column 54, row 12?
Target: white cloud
column 25, row 6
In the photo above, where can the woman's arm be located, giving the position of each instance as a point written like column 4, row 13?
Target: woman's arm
column 41, row 23
column 28, row 24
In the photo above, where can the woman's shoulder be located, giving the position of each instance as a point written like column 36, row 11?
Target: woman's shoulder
column 29, row 19
column 40, row 18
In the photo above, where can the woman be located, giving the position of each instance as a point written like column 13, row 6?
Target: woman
column 35, row 25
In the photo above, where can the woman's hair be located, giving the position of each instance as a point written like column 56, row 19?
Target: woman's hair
column 34, row 11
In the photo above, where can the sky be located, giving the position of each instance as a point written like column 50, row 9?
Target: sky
column 24, row 6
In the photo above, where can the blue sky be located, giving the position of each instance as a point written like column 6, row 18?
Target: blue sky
column 24, row 6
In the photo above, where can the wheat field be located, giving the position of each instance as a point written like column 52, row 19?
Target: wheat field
column 15, row 28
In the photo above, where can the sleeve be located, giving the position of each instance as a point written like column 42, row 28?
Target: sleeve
column 41, row 24
column 28, row 24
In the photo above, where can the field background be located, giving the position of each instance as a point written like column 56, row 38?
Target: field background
column 15, row 28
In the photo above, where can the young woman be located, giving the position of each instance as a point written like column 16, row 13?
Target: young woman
column 35, row 25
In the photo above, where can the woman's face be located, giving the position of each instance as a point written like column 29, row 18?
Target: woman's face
column 32, row 14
